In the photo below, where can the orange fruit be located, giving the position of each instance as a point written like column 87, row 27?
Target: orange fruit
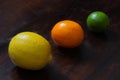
column 67, row 33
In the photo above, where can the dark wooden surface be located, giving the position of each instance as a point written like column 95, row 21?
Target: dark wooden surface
column 98, row 58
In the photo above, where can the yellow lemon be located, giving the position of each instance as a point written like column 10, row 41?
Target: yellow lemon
column 30, row 50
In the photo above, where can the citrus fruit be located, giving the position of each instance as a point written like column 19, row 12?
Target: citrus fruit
column 67, row 33
column 98, row 21
column 30, row 50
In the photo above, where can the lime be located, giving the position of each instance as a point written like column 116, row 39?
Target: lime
column 30, row 51
column 98, row 21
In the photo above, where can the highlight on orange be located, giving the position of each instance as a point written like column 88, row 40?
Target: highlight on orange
column 67, row 33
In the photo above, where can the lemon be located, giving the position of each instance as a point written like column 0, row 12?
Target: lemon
column 30, row 51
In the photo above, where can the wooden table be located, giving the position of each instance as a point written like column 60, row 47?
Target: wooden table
column 98, row 58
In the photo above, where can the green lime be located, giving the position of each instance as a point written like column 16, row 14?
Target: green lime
column 98, row 21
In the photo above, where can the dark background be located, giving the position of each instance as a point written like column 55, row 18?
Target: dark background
column 98, row 58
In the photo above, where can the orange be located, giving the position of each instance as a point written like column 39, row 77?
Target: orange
column 67, row 33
